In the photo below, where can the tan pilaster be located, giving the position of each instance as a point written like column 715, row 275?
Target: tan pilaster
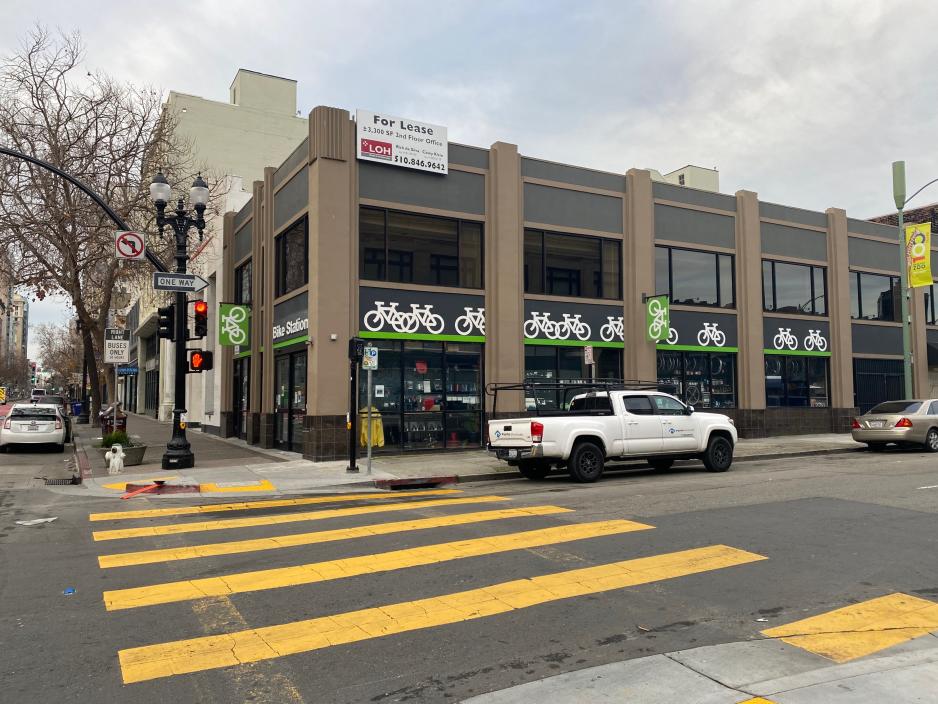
column 751, row 373
column 265, row 329
column 838, row 308
column 504, row 274
column 638, row 274
column 226, row 363
column 921, row 387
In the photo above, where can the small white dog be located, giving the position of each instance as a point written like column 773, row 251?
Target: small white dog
column 115, row 460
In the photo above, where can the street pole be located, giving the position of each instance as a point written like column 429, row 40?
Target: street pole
column 369, row 420
column 353, row 416
column 898, row 193
column 83, row 417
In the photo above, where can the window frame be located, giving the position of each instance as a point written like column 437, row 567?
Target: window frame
column 731, row 305
column 459, row 269
column 280, row 284
column 930, row 308
column 814, row 297
column 239, row 289
column 601, row 242
column 894, row 281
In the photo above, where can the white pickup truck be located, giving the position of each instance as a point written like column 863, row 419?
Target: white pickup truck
column 611, row 425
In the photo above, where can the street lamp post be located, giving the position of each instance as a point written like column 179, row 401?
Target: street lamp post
column 83, row 417
column 178, row 451
column 898, row 194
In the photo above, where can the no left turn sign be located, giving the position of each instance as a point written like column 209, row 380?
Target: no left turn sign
column 129, row 245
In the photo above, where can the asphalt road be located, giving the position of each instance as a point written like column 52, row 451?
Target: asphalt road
column 766, row 543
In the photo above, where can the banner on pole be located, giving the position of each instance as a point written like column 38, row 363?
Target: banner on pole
column 234, row 324
column 918, row 254
column 657, row 318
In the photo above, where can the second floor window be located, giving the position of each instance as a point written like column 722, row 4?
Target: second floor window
column 419, row 249
column 696, row 278
column 242, row 282
column 874, row 296
column 292, row 258
column 930, row 308
column 794, row 288
column 572, row 265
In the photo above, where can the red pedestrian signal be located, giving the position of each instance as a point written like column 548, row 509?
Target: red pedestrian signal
column 200, row 361
column 200, row 314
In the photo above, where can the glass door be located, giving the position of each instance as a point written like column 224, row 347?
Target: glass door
column 282, row 402
column 297, row 399
column 290, row 401
column 242, row 384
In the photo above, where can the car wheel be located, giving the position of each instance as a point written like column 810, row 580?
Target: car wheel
column 719, row 454
column 931, row 440
column 876, row 446
column 533, row 470
column 586, row 462
column 661, row 464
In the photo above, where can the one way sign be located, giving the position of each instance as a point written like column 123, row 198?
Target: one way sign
column 187, row 283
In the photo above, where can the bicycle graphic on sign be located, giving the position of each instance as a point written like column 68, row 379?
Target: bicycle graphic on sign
column 784, row 338
column 711, row 333
column 474, row 318
column 231, row 324
column 815, row 339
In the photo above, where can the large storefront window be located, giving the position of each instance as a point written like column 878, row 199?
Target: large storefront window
column 796, row 381
column 428, row 395
column 700, row 379
column 874, row 296
column 794, row 288
column 572, row 265
column 875, row 381
column 559, row 364
column 693, row 277
column 419, row 249
column 291, row 267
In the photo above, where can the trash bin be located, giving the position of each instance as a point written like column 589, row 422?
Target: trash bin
column 110, row 424
column 76, row 408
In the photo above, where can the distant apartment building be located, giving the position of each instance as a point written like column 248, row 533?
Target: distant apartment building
column 232, row 142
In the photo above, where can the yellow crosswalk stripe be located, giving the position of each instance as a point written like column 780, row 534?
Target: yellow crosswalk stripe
column 251, row 505
column 256, row 644
column 247, row 522
column 144, row 557
column 311, row 573
column 861, row 629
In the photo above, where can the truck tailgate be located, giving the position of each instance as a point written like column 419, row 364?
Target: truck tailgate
column 514, row 432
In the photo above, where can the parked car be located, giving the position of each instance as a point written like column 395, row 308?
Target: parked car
column 37, row 393
column 904, row 423
column 62, row 403
column 31, row 424
column 609, row 425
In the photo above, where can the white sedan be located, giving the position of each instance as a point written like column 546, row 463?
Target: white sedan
column 33, row 424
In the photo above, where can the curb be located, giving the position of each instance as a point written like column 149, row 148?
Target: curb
column 81, row 459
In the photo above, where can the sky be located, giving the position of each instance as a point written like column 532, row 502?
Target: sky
column 806, row 102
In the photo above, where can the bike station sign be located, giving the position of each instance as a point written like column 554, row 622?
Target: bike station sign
column 797, row 336
column 234, row 324
column 555, row 323
column 696, row 330
column 291, row 320
column 403, row 314
column 657, row 318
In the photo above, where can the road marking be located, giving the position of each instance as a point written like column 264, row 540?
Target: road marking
column 758, row 700
column 189, row 552
column 249, row 505
column 224, row 524
column 861, row 629
column 314, row 572
column 122, row 486
column 214, row 488
column 932, row 486
column 254, row 645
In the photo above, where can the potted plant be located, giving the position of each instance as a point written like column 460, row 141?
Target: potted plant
column 133, row 452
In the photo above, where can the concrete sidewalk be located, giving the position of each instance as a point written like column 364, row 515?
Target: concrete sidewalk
column 229, row 467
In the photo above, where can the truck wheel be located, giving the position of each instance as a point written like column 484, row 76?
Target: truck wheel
column 719, row 454
column 533, row 470
column 661, row 464
column 586, row 462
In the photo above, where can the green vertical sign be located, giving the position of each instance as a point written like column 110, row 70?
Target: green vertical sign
column 234, row 324
column 657, row 318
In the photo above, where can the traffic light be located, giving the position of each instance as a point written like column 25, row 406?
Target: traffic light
column 200, row 361
column 200, row 316
column 167, row 322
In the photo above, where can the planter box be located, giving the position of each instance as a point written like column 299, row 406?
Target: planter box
column 132, row 455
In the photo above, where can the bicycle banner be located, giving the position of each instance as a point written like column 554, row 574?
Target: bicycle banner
column 234, row 324
column 918, row 254
column 657, row 318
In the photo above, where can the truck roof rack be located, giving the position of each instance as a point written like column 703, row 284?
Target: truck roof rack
column 565, row 386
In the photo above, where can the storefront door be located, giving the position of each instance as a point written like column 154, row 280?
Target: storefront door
column 241, row 398
column 290, row 401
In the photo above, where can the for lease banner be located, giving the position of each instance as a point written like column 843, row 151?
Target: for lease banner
column 400, row 141
column 918, row 254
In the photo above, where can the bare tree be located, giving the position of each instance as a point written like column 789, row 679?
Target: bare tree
column 60, row 351
column 112, row 136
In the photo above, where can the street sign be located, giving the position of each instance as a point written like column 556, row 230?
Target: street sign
column 657, row 318
column 186, row 283
column 370, row 360
column 130, row 245
column 128, row 370
column 588, row 354
column 116, row 346
column 234, row 324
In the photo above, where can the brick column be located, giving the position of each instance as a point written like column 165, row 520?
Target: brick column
column 504, row 275
column 638, row 275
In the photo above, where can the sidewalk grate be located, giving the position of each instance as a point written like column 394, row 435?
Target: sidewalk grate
column 63, row 482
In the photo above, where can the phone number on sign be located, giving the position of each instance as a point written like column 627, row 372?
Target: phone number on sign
column 422, row 163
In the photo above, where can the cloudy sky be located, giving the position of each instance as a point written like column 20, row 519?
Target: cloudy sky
column 806, row 102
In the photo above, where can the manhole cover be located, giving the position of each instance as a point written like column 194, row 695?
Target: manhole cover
column 61, row 482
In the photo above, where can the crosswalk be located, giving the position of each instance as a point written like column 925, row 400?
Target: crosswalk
column 492, row 522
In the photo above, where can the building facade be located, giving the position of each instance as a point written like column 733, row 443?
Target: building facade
column 507, row 267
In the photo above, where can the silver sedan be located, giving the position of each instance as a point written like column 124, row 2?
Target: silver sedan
column 902, row 422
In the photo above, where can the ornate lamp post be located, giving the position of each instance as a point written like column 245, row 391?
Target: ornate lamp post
column 178, row 450
column 83, row 416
